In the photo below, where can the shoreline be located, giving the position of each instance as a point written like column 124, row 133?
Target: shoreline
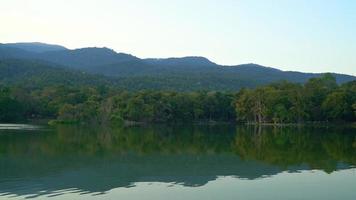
column 53, row 122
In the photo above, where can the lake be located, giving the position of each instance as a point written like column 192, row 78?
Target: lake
column 177, row 162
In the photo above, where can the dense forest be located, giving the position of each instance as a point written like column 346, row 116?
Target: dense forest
column 318, row 100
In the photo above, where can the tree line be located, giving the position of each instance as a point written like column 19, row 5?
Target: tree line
column 318, row 100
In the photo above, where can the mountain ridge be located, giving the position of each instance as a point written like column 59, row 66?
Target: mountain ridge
column 187, row 60
column 37, row 47
column 168, row 73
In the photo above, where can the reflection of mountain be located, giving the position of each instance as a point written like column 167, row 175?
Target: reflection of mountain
column 102, row 174
column 97, row 160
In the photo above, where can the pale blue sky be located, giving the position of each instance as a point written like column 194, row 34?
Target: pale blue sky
column 299, row 35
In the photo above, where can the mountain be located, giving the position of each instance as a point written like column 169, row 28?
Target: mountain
column 184, row 61
column 36, row 47
column 86, row 57
column 7, row 52
column 130, row 72
column 39, row 74
column 36, row 74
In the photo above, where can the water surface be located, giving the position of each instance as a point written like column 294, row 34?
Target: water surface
column 179, row 162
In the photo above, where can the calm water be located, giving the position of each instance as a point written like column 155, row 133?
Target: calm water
column 182, row 162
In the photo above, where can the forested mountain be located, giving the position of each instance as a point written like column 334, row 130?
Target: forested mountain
column 36, row 47
column 99, row 85
column 130, row 72
column 184, row 61
column 7, row 52
column 86, row 58
column 36, row 74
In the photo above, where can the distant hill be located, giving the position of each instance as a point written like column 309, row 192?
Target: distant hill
column 36, row 47
column 34, row 74
column 7, row 52
column 130, row 72
column 86, row 57
column 184, row 61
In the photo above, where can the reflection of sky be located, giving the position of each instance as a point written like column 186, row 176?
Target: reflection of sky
column 158, row 175
column 304, row 35
column 305, row 185
column 18, row 127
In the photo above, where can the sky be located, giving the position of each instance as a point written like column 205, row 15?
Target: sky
column 297, row 35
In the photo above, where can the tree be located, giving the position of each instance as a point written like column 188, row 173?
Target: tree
column 336, row 107
column 316, row 90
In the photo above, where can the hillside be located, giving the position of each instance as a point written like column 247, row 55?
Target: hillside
column 33, row 74
column 36, row 47
column 130, row 72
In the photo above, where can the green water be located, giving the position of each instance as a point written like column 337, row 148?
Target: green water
column 179, row 162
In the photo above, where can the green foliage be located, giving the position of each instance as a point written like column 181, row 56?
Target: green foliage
column 11, row 110
column 283, row 102
column 89, row 104
column 174, row 107
column 320, row 99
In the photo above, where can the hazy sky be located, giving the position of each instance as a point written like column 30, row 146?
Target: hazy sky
column 299, row 35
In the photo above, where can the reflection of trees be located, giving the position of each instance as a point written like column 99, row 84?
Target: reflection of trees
column 189, row 155
column 143, row 140
column 288, row 146
column 320, row 148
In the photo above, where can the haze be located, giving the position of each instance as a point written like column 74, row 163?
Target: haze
column 299, row 35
